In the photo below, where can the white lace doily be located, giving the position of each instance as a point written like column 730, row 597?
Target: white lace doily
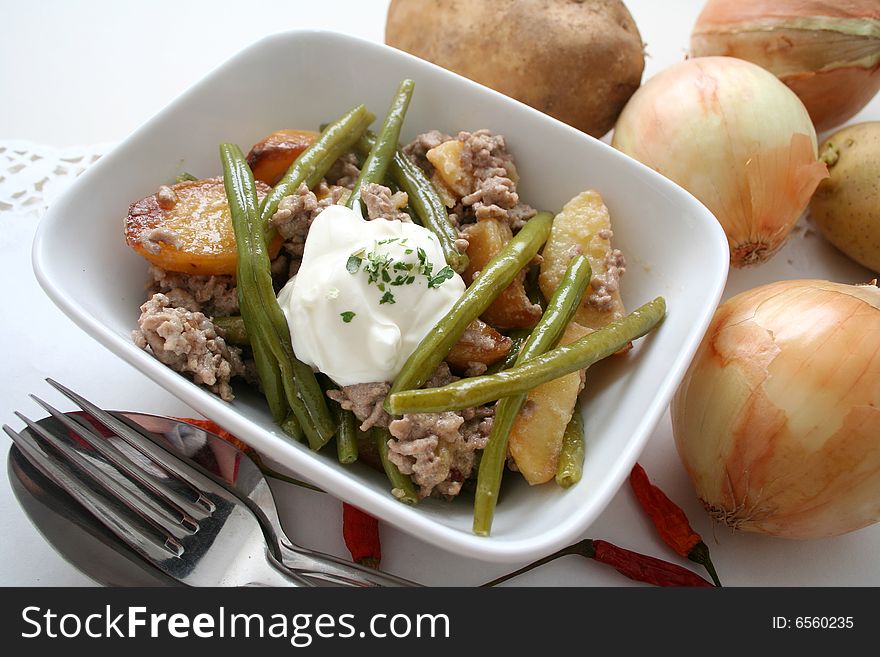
column 31, row 175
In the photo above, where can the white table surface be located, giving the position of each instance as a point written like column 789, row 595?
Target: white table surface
column 78, row 73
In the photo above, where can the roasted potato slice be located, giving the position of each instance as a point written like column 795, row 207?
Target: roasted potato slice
column 512, row 309
column 480, row 344
column 536, row 437
column 187, row 228
column 584, row 226
column 270, row 158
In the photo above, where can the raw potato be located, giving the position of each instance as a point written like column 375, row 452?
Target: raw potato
column 846, row 206
column 536, row 437
column 512, row 308
column 271, row 157
column 187, row 228
column 583, row 226
column 577, row 60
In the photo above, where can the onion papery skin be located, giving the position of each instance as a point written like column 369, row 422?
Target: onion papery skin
column 735, row 137
column 828, row 53
column 777, row 421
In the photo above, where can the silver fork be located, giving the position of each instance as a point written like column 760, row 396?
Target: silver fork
column 188, row 524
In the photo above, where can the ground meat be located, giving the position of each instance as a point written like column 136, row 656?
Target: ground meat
column 438, row 449
column 297, row 211
column 419, row 146
column 605, row 286
column 441, row 376
column 365, row 401
column 215, row 296
column 188, row 342
column 519, row 214
column 382, row 204
column 153, row 240
column 435, row 449
column 486, row 160
column 166, row 198
column 475, row 368
column 344, row 171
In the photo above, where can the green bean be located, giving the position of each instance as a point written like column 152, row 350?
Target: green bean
column 336, row 139
column 424, row 200
column 546, row 334
column 494, row 277
column 346, row 435
column 269, row 375
column 292, row 428
column 401, row 486
column 571, row 458
column 385, row 145
column 234, row 330
column 267, row 367
column 262, row 315
column 558, row 362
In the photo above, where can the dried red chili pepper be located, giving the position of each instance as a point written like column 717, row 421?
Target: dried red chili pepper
column 636, row 566
column 671, row 522
column 361, row 533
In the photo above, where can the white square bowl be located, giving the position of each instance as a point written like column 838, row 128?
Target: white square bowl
column 301, row 79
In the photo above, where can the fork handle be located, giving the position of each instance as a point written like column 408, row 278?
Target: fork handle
column 320, row 569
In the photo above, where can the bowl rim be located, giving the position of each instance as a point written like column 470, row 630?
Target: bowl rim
column 407, row 519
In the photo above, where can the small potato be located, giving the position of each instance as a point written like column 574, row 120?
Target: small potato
column 846, row 205
column 187, row 228
column 446, row 159
column 583, row 226
column 480, row 344
column 536, row 437
column 577, row 60
column 271, row 157
column 512, row 308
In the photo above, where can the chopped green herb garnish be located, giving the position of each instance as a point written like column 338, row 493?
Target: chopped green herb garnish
column 353, row 264
column 347, row 316
column 383, row 270
column 443, row 275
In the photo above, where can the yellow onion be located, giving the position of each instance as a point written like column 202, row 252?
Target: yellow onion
column 778, row 418
column 736, row 138
column 827, row 52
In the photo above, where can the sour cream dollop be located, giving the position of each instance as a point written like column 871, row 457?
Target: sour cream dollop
column 366, row 294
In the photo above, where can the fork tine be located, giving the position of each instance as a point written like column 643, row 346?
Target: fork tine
column 130, row 528
column 114, row 455
column 183, row 475
column 116, row 484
